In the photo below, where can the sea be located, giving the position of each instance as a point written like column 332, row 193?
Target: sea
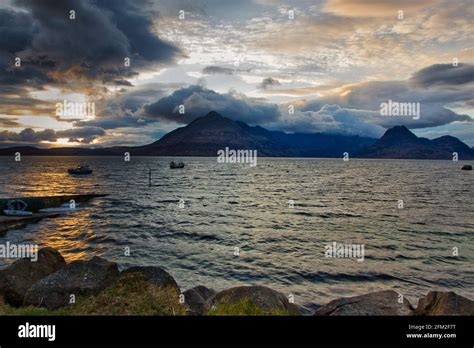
column 223, row 224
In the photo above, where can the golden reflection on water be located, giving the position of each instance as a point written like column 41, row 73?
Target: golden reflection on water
column 44, row 177
column 69, row 233
column 70, row 237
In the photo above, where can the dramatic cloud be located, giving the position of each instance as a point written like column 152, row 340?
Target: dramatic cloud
column 55, row 50
column 16, row 34
column 198, row 101
column 98, row 40
column 331, row 119
column 336, row 61
column 444, row 75
column 369, row 96
column 210, row 70
column 16, row 31
column 43, row 49
column 126, row 108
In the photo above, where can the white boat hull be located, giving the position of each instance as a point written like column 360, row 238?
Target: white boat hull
column 57, row 210
column 63, row 208
column 17, row 213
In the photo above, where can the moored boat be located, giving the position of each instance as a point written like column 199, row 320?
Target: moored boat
column 174, row 165
column 80, row 170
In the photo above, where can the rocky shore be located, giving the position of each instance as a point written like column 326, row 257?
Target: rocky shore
column 97, row 287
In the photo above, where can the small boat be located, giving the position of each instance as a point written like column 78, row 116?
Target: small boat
column 174, row 165
column 466, row 167
column 80, row 170
column 17, row 207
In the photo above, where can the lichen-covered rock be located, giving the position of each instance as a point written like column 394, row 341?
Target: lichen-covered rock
column 195, row 299
column 260, row 296
column 376, row 303
column 77, row 278
column 154, row 275
column 22, row 274
column 444, row 303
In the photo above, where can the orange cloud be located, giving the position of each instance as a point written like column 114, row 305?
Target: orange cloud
column 374, row 8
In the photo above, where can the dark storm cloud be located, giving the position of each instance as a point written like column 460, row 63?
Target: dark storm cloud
column 269, row 82
column 126, row 108
column 444, row 75
column 16, row 31
column 94, row 44
column 212, row 69
column 21, row 78
column 135, row 23
column 99, row 38
column 28, row 135
column 198, row 101
column 16, row 34
column 70, row 54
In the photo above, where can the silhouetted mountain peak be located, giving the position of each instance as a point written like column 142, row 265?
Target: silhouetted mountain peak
column 447, row 138
column 450, row 142
column 213, row 115
column 398, row 134
column 399, row 142
column 212, row 120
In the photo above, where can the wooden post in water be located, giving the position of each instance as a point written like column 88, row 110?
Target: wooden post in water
column 149, row 177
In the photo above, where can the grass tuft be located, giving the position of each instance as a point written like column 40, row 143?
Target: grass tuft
column 245, row 307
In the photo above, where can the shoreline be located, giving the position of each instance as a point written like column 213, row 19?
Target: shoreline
column 51, row 286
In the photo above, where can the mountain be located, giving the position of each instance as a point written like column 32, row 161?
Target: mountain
column 206, row 135
column 399, row 142
column 212, row 132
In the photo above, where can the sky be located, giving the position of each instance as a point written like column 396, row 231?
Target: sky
column 295, row 66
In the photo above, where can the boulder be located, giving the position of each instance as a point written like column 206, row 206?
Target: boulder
column 154, row 275
column 23, row 273
column 444, row 303
column 195, row 299
column 77, row 278
column 260, row 296
column 376, row 303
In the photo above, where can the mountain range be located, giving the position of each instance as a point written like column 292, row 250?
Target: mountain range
column 399, row 142
column 212, row 132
